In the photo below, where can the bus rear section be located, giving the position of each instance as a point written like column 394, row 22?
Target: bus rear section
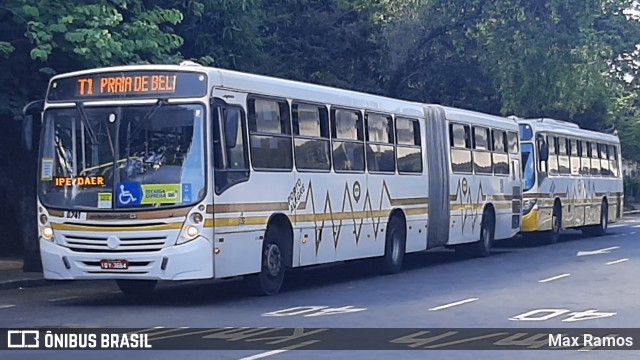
column 572, row 179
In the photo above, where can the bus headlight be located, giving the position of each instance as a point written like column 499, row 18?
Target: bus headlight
column 191, row 231
column 527, row 205
column 47, row 232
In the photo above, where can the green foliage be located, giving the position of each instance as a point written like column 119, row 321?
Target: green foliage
column 101, row 33
column 560, row 58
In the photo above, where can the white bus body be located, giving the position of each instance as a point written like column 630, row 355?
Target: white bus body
column 265, row 174
column 579, row 185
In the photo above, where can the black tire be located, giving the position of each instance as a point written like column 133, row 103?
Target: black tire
column 482, row 247
column 395, row 246
column 552, row 236
column 271, row 276
column 137, row 289
column 603, row 226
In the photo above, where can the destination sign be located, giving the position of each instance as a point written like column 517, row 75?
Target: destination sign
column 138, row 84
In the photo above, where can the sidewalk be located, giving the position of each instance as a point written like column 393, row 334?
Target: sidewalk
column 12, row 276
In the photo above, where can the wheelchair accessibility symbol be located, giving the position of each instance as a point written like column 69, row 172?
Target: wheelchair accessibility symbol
column 128, row 194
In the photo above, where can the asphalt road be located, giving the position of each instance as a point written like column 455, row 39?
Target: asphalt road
column 579, row 282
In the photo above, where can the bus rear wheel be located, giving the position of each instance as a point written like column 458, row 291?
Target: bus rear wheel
column 481, row 248
column 395, row 246
column 271, row 276
column 601, row 228
column 137, row 288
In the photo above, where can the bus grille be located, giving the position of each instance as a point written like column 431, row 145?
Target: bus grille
column 94, row 244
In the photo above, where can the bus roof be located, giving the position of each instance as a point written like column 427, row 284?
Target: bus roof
column 567, row 129
column 267, row 85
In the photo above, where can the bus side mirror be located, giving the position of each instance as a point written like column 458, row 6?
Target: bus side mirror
column 31, row 123
column 231, row 127
column 543, row 150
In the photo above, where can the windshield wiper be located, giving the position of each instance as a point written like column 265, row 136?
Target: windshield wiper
column 87, row 125
column 147, row 117
column 154, row 109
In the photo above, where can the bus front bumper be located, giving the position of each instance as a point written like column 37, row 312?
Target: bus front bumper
column 530, row 221
column 192, row 260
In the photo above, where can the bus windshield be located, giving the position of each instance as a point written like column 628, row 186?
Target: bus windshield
column 112, row 157
column 528, row 168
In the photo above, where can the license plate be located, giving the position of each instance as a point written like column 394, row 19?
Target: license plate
column 114, row 264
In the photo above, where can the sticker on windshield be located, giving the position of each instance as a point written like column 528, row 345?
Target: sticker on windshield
column 97, row 180
column 104, row 200
column 46, row 172
column 128, row 194
column 186, row 193
column 161, row 194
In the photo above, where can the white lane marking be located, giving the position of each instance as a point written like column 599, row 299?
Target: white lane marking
column 453, row 304
column 597, row 252
column 634, row 226
column 554, row 278
column 619, row 225
column 64, row 298
column 632, row 233
column 6, row 306
column 265, row 354
column 280, row 351
column 617, row 261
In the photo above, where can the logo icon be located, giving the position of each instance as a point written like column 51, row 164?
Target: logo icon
column 23, row 339
column 128, row 194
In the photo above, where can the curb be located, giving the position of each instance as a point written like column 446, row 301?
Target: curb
column 631, row 212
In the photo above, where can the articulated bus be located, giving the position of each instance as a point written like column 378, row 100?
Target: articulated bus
column 572, row 177
column 170, row 172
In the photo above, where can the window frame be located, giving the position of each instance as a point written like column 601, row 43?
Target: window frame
column 322, row 138
column 417, row 139
column 287, row 125
column 360, row 134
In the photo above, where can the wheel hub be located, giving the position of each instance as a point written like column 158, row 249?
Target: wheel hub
column 273, row 259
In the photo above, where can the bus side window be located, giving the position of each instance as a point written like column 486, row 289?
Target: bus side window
column 553, row 155
column 348, row 140
column 230, row 158
column 595, row 159
column 409, row 146
column 500, row 157
column 613, row 160
column 311, row 137
column 563, row 156
column 575, row 158
column 380, row 149
column 604, row 160
column 460, row 142
column 481, row 150
column 513, row 142
column 270, row 134
column 585, row 154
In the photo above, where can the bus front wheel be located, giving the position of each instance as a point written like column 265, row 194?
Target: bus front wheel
column 136, row 288
column 552, row 236
column 271, row 276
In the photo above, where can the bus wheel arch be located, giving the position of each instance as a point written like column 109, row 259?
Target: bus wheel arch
column 602, row 226
column 276, row 256
column 395, row 242
column 482, row 247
